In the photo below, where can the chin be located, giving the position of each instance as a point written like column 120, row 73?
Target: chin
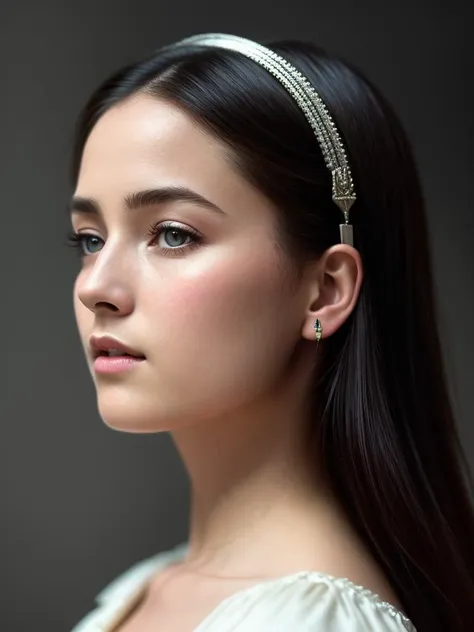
column 122, row 424
column 127, row 429
column 125, row 414
column 135, row 417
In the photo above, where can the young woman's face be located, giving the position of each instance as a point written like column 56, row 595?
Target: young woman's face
column 196, row 287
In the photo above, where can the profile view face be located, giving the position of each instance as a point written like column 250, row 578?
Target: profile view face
column 190, row 280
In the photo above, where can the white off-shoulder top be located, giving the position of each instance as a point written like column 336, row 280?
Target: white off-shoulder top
column 306, row 601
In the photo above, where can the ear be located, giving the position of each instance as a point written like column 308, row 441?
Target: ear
column 333, row 284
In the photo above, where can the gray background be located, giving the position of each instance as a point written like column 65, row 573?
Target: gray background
column 80, row 502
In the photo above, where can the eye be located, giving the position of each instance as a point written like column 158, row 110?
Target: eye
column 174, row 237
column 78, row 241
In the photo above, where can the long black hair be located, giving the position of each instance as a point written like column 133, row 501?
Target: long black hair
column 383, row 422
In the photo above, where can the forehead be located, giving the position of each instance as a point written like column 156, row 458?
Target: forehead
column 144, row 140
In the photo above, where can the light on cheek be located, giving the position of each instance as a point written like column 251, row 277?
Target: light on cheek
column 229, row 291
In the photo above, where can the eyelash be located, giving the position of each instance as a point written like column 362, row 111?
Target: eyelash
column 76, row 240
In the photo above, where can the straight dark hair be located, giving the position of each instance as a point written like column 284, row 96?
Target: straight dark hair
column 383, row 422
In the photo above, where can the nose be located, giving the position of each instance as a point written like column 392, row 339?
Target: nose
column 107, row 285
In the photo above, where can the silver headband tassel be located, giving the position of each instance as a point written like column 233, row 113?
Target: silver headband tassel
column 312, row 106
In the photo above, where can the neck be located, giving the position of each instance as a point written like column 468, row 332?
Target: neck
column 254, row 489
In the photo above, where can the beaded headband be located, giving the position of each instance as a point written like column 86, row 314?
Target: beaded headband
column 312, row 106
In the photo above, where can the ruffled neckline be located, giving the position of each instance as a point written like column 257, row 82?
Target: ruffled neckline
column 129, row 586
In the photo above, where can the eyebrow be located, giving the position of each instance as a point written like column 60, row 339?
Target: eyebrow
column 141, row 199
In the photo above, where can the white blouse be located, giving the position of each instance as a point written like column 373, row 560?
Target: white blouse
column 306, row 601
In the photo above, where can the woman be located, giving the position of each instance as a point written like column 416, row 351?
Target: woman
column 256, row 280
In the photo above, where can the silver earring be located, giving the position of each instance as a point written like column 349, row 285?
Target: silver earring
column 318, row 329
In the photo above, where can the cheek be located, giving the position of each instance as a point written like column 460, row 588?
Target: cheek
column 220, row 298
column 220, row 333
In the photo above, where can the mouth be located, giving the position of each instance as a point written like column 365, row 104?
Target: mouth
column 117, row 353
column 108, row 347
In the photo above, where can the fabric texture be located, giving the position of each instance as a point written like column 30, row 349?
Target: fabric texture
column 302, row 602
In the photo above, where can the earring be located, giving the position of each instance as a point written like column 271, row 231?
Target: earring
column 318, row 329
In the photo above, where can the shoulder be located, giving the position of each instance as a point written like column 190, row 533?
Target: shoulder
column 309, row 602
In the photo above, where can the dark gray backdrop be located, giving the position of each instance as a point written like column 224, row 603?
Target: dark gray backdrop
column 81, row 502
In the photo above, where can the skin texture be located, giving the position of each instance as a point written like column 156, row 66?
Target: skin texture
column 229, row 343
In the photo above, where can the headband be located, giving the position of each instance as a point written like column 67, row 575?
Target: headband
column 312, row 106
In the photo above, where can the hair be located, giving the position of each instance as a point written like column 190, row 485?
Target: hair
column 383, row 420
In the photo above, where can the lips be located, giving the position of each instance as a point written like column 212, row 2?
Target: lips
column 109, row 346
